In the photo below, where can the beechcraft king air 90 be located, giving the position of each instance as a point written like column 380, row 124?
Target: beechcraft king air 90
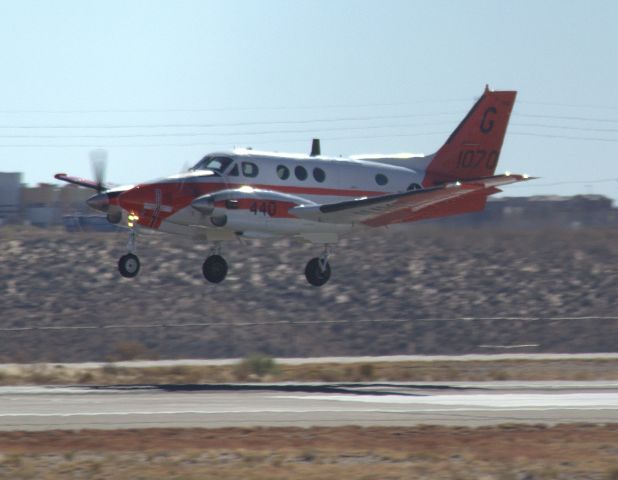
column 316, row 198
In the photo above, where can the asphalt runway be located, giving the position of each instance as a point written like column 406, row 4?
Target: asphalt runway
column 241, row 405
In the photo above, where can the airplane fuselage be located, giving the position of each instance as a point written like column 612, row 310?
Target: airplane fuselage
column 265, row 186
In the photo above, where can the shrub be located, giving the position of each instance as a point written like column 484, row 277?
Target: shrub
column 255, row 365
column 367, row 371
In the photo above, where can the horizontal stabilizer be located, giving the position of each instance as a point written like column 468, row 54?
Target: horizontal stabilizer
column 405, row 206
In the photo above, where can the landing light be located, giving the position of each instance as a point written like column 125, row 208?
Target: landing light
column 525, row 175
column 507, row 173
column 132, row 218
column 246, row 189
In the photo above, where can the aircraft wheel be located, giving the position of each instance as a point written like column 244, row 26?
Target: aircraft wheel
column 128, row 265
column 215, row 269
column 315, row 275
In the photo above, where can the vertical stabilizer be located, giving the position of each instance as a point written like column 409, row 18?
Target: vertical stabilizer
column 473, row 149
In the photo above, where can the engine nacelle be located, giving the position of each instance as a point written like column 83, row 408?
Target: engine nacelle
column 246, row 208
column 114, row 215
column 204, row 204
column 237, row 198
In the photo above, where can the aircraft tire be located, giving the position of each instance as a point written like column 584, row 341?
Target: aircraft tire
column 128, row 265
column 214, row 269
column 314, row 274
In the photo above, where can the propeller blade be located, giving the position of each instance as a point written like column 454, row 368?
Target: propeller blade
column 98, row 160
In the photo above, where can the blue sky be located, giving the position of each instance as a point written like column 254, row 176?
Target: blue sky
column 160, row 84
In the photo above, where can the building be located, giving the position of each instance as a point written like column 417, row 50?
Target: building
column 10, row 188
column 541, row 211
column 45, row 204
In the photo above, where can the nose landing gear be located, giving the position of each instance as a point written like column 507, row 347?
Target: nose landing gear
column 128, row 265
column 317, row 270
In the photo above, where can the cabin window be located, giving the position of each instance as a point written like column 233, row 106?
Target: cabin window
column 319, row 175
column 234, row 172
column 249, row 169
column 283, row 172
column 381, row 179
column 300, row 172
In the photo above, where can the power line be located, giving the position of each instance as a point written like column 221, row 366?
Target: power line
column 570, row 105
column 565, row 127
column 293, row 140
column 112, row 126
column 297, row 323
column 229, row 109
column 243, row 108
column 566, row 117
column 226, row 124
column 201, row 144
column 227, row 134
column 565, row 137
column 566, row 182
column 293, row 131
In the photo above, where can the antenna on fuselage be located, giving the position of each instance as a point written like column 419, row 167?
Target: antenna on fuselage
column 315, row 148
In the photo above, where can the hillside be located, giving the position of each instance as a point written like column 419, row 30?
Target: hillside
column 402, row 292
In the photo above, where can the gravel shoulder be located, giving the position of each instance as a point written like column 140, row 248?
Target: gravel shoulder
column 503, row 452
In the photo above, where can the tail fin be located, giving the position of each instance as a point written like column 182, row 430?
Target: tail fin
column 473, row 149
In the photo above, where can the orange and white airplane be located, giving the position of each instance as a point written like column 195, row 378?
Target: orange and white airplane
column 250, row 194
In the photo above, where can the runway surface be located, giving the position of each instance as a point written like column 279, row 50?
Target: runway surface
column 387, row 404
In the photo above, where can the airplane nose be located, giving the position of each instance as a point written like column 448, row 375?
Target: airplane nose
column 100, row 202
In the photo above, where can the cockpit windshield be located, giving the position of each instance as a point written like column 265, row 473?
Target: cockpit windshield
column 214, row 163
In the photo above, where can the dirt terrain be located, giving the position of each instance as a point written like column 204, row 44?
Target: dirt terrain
column 427, row 290
column 254, row 370
column 585, row 452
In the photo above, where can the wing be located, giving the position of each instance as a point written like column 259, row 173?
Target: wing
column 82, row 182
column 443, row 200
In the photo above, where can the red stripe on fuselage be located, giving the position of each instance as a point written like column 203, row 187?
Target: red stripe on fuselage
column 298, row 190
column 179, row 195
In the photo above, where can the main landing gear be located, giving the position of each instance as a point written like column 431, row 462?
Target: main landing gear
column 215, row 267
column 128, row 265
column 317, row 270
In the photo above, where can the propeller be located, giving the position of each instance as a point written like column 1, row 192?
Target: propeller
column 98, row 160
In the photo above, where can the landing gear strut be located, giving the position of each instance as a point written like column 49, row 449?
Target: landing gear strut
column 128, row 265
column 214, row 267
column 317, row 270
